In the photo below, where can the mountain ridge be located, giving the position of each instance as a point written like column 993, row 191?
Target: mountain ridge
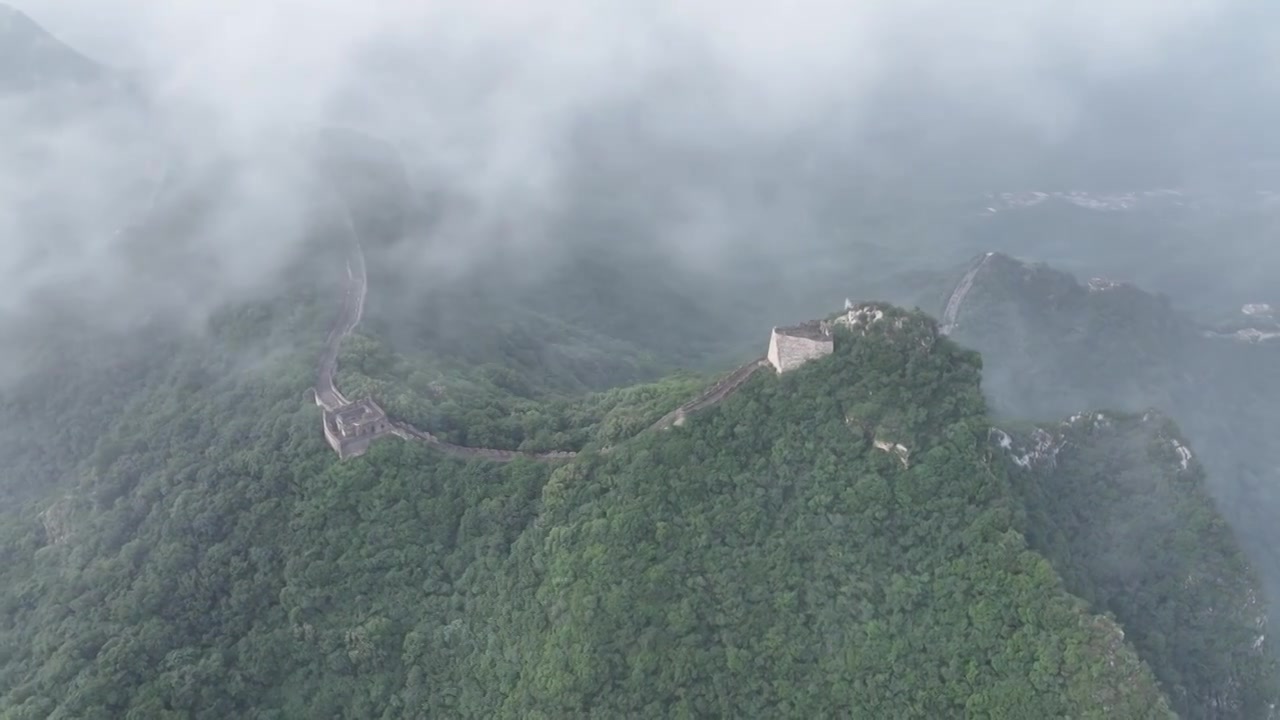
column 33, row 59
column 857, row 536
column 1119, row 505
column 1052, row 344
column 755, row 490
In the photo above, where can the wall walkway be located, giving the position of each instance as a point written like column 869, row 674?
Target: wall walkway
column 330, row 398
column 723, row 389
column 951, row 314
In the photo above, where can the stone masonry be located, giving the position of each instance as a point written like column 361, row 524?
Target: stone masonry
column 791, row 347
column 350, row 429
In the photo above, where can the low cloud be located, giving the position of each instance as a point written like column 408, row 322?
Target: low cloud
column 517, row 107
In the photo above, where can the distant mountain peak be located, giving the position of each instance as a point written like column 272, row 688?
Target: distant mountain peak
column 31, row 58
column 16, row 24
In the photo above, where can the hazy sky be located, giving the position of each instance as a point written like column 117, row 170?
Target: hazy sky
column 781, row 61
column 493, row 97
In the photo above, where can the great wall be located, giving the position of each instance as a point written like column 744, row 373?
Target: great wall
column 951, row 315
column 1263, row 320
column 350, row 427
column 714, row 394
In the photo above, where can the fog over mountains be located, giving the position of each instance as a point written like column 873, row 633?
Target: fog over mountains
column 1049, row 489
column 705, row 133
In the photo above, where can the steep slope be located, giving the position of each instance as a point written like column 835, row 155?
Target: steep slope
column 1118, row 504
column 771, row 559
column 1052, row 345
column 52, row 418
column 766, row 558
column 837, row 540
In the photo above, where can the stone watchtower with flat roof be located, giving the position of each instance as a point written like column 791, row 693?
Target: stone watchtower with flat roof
column 791, row 347
column 352, row 428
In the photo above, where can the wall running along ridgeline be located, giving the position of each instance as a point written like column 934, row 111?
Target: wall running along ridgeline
column 951, row 315
column 350, row 427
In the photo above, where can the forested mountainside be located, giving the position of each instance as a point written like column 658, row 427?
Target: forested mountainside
column 601, row 299
column 1118, row 505
column 850, row 539
column 767, row 558
column 1053, row 345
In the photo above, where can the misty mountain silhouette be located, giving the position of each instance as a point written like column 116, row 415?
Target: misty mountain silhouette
column 31, row 58
column 1052, row 345
column 865, row 536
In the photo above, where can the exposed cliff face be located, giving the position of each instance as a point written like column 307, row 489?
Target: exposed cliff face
column 1118, row 503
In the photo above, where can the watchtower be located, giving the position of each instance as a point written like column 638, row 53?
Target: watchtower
column 352, row 428
column 791, row 347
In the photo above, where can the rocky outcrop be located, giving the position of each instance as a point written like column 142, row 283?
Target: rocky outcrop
column 56, row 520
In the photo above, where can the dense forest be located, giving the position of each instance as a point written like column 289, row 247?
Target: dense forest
column 904, row 528
column 844, row 540
column 214, row 559
column 1118, row 505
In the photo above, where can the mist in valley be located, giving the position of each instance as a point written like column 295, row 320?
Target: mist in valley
column 732, row 166
column 743, row 148
column 556, row 201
